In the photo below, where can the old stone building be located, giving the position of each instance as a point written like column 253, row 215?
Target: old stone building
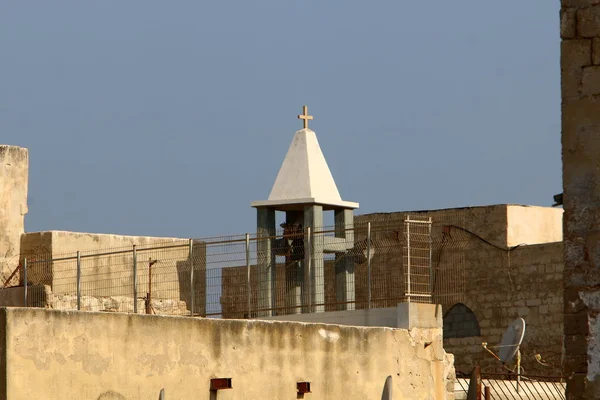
column 580, row 86
column 491, row 265
column 495, row 264
column 106, row 261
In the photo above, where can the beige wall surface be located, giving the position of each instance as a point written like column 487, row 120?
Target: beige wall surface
column 533, row 225
column 14, row 170
column 80, row 355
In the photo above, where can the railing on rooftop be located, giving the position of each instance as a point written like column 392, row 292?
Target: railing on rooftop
column 499, row 386
column 367, row 265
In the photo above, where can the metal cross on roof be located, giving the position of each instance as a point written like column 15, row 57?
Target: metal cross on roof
column 304, row 116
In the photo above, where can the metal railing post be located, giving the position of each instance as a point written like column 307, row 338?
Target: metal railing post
column 192, row 292
column 249, row 287
column 78, row 281
column 407, row 222
column 368, row 265
column 309, row 270
column 25, row 279
column 431, row 272
column 135, row 308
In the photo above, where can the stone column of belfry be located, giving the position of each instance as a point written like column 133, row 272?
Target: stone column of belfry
column 266, row 261
column 344, row 265
column 580, row 87
column 313, row 218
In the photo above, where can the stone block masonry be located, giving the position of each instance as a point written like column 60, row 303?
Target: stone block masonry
column 14, row 170
column 580, row 86
column 108, row 278
column 483, row 286
column 526, row 285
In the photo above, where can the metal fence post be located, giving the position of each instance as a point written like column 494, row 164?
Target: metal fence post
column 308, row 273
column 192, row 293
column 431, row 271
column 368, row 265
column 25, row 279
column 249, row 288
column 135, row 308
column 407, row 223
column 78, row 280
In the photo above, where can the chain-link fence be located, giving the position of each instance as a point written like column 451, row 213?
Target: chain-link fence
column 289, row 271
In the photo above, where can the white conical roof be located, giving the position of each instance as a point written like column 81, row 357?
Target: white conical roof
column 304, row 176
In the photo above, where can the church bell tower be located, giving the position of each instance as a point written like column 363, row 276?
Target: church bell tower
column 304, row 188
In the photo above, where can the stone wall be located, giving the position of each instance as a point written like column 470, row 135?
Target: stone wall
column 478, row 270
column 14, row 175
column 162, row 267
column 580, row 86
column 75, row 355
column 502, row 286
column 460, row 322
column 502, row 224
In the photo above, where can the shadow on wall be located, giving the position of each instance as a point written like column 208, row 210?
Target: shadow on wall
column 460, row 322
column 110, row 395
column 387, row 389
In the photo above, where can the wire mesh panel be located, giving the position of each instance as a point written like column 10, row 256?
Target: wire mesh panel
column 63, row 294
column 106, row 280
column 164, row 278
column 417, row 251
column 287, row 271
column 377, row 256
column 36, row 276
column 238, row 284
column 291, row 270
column 449, row 258
column 225, row 259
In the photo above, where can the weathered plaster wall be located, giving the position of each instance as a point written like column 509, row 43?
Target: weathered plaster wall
column 580, row 86
column 533, row 225
column 70, row 355
column 107, row 280
column 14, row 175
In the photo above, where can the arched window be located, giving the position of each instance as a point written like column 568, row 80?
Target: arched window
column 460, row 322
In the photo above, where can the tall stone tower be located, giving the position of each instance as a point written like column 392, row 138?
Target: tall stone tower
column 580, row 76
column 14, row 167
column 304, row 189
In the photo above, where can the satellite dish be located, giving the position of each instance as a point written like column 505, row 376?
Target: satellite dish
column 511, row 340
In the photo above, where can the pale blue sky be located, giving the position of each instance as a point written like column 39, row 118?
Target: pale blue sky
column 168, row 118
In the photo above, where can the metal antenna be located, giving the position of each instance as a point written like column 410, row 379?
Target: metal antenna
column 510, row 346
